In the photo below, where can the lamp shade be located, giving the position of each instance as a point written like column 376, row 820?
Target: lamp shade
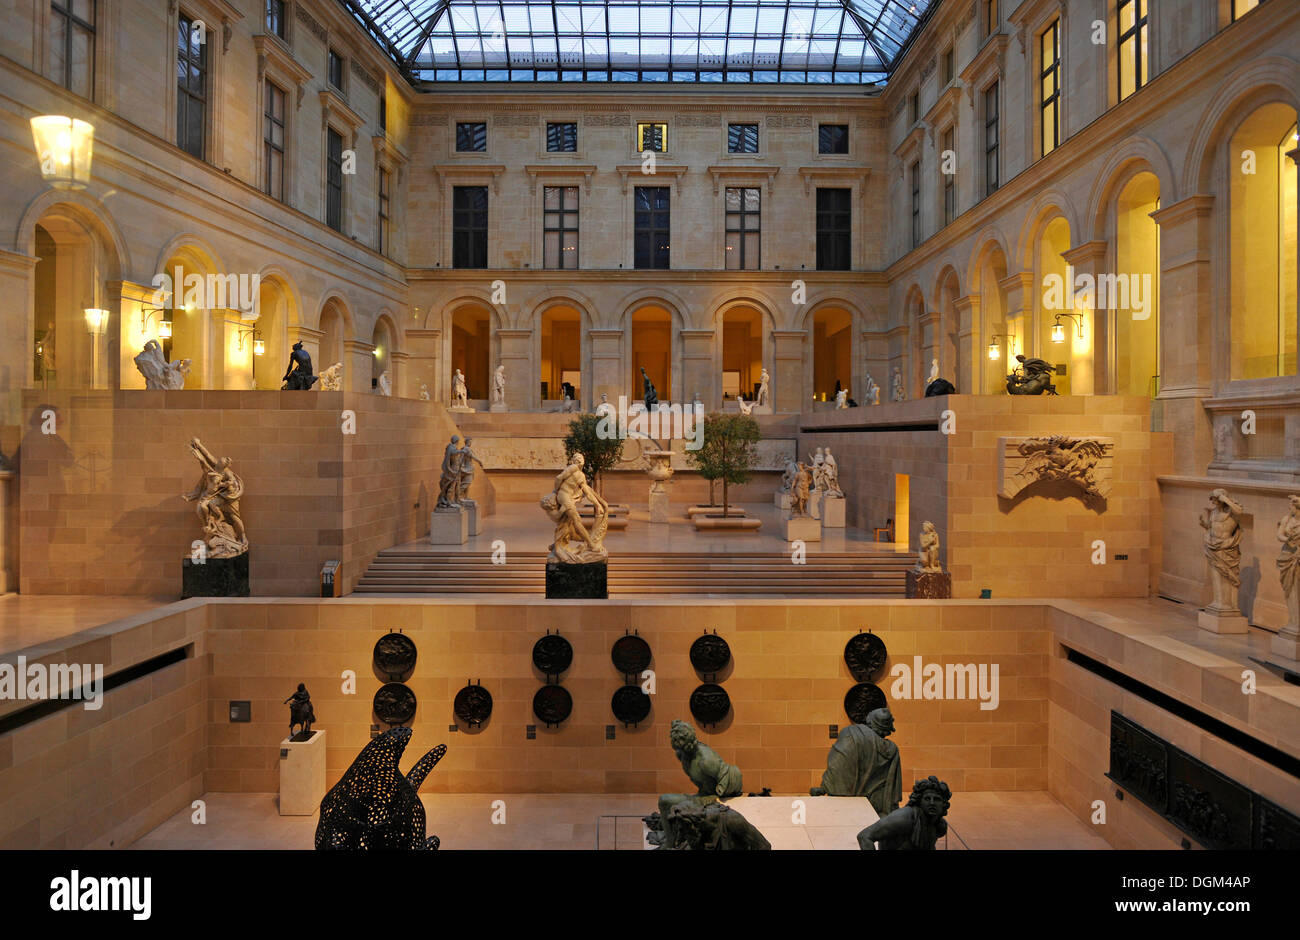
column 1058, row 332
column 96, row 319
column 994, row 351
column 63, row 150
column 164, row 329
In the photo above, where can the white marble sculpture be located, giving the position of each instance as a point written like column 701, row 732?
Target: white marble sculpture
column 157, row 371
column 763, row 380
column 385, row 384
column 898, row 384
column 789, row 476
column 1288, row 566
column 450, row 481
column 574, row 544
column 217, row 497
column 459, row 394
column 928, row 554
column 831, row 475
column 934, row 371
column 331, row 379
column 424, row 392
column 842, row 399
column 1223, row 550
column 745, row 406
column 873, row 391
column 499, row 387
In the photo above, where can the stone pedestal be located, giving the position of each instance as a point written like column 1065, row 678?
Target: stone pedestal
column 929, row 584
column 761, row 410
column 833, row 514
column 1287, row 643
column 1222, row 621
column 659, row 507
column 475, row 516
column 498, row 409
column 782, row 499
column 567, row 581
column 804, row 529
column 215, row 577
column 815, row 504
column 449, row 526
column 460, row 409
column 302, row 775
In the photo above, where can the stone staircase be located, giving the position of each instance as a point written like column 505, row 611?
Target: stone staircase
column 840, row 574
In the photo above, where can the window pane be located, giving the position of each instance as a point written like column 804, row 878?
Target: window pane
column 742, row 138
column 733, row 200
column 562, row 137
column 732, row 252
column 471, row 137
column 833, row 138
column 551, row 249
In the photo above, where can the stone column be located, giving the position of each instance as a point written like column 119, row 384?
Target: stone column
column 698, row 373
column 900, row 355
column 1090, row 258
column 398, row 375
column 608, row 376
column 423, row 347
column 1186, row 372
column 969, row 370
column 358, row 365
column 125, row 299
column 523, row 392
column 310, row 340
column 788, row 391
column 7, row 582
column 1018, row 292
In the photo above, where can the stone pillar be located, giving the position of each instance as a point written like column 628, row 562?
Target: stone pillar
column 1018, row 292
column 7, row 582
column 126, row 299
column 788, row 390
column 1090, row 258
column 900, row 355
column 358, row 365
column 310, row 340
column 607, row 374
column 523, row 392
column 1186, row 373
column 698, row 374
column 423, row 347
column 398, row 375
column 969, row 370
column 928, row 343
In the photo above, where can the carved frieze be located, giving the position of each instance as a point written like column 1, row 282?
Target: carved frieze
column 366, row 78
column 317, row 30
column 698, row 119
column 789, row 120
column 514, row 120
column 1085, row 462
column 607, row 120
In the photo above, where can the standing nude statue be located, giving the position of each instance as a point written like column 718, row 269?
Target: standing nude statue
column 574, row 544
column 1223, row 550
column 761, row 397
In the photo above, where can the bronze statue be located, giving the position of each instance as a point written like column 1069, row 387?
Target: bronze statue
column 449, row 484
column 300, row 713
column 1032, row 377
column 918, row 825
column 710, row 826
column 863, row 763
column 298, row 377
column 651, row 396
column 714, row 777
column 799, row 491
column 217, row 494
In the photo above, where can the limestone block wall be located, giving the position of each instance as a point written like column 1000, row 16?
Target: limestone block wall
column 100, row 508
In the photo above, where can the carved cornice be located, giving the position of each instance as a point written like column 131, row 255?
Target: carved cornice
column 944, row 110
column 361, row 72
column 742, row 174
column 274, row 55
column 626, row 171
column 470, row 174
column 991, row 58
column 333, row 106
column 514, row 119
column 833, row 174
column 607, row 120
column 558, row 173
column 317, row 30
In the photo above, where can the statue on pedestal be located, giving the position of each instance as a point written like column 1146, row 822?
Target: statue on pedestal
column 331, row 379
column 928, row 554
column 934, row 371
column 157, row 371
column 745, row 407
column 217, row 494
column 873, row 391
column 863, row 763
column 459, row 394
column 1288, row 565
column 1223, row 549
column 918, row 825
column 831, row 475
column 301, row 713
column 763, row 380
column 449, row 483
column 648, row 387
column 899, row 394
column 714, row 778
column 298, row 377
column 842, row 400
column 799, row 492
column 574, row 544
column 424, row 392
column 467, row 460
column 384, row 384
column 499, row 386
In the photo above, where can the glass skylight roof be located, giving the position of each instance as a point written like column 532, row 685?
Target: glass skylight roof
column 800, row 41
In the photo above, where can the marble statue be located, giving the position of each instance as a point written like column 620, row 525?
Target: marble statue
column 467, row 460
column 763, row 380
column 745, row 407
column 604, row 408
column 331, row 379
column 157, row 371
column 574, row 544
column 928, row 555
column 570, row 397
column 45, row 350
column 842, row 399
column 707, row 826
column 898, row 384
column 789, row 476
column 918, row 825
column 1223, row 549
column 459, row 394
column 424, row 392
column 934, row 371
column 217, row 504
column 648, row 387
column 301, row 713
column 499, row 385
column 714, row 778
column 873, row 391
column 298, row 377
column 374, row 805
column 862, row 762
column 799, row 492
column 817, row 467
column 449, row 483
column 831, row 475
column 385, row 384
column 1288, row 564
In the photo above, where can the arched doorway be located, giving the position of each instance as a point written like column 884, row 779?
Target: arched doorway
column 561, row 352
column 743, row 353
column 266, row 350
column 652, row 349
column 69, row 348
column 210, row 350
column 1262, row 245
column 832, row 349
column 471, row 348
column 1137, row 259
column 948, row 332
column 1065, row 327
column 381, row 361
column 997, row 343
column 333, row 329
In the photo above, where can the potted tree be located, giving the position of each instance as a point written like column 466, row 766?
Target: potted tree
column 727, row 454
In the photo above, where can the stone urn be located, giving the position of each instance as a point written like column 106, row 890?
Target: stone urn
column 659, row 468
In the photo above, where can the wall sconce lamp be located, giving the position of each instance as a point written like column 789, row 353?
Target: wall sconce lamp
column 259, row 345
column 96, row 320
column 164, row 324
column 995, row 351
column 1058, row 331
column 63, row 150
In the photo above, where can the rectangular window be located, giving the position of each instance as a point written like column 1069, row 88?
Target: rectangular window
column 1132, row 46
column 385, row 197
column 652, row 229
column 992, row 20
column 560, row 227
column 1241, row 7
column 72, row 45
column 471, row 137
column 334, row 179
column 562, row 137
column 991, row 139
column 335, row 70
column 834, row 229
column 742, row 138
column 273, row 142
column 949, row 65
column 1049, row 87
column 833, row 138
column 948, row 166
column 914, row 108
column 276, row 22
column 652, row 137
column 383, row 112
column 916, row 203
column 469, row 227
column 744, row 206
column 191, row 87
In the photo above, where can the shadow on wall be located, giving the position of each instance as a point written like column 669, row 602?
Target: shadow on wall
column 1248, row 593
column 1052, row 489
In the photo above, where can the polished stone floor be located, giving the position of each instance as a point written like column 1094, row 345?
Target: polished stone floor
column 1000, row 820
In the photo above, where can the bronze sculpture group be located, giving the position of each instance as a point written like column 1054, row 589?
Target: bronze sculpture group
column 457, row 473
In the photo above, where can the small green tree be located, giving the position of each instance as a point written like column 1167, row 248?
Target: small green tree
column 727, row 453
column 599, row 452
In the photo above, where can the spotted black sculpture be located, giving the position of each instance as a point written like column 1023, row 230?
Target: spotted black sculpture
column 300, row 713
column 940, row 387
column 374, row 806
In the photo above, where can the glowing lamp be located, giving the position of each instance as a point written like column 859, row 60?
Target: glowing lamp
column 164, row 329
column 1058, row 332
column 994, row 351
column 96, row 319
column 63, row 150
column 259, row 347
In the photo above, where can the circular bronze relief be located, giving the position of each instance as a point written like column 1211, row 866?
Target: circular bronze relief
column 472, row 705
column 865, row 655
column 630, row 705
column 710, row 654
column 710, row 703
column 394, row 704
column 552, row 704
column 394, row 656
column 863, row 699
column 631, row 655
column 552, row 654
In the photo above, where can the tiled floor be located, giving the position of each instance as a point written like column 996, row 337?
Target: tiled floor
column 1012, row 820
